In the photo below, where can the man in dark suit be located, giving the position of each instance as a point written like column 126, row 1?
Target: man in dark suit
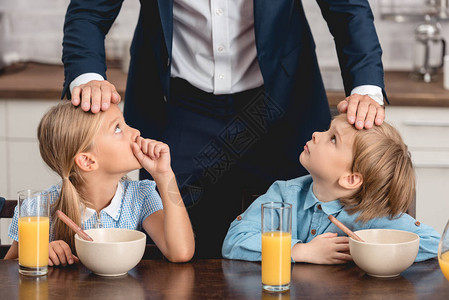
column 233, row 87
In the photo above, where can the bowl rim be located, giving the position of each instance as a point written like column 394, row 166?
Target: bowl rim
column 385, row 229
column 77, row 237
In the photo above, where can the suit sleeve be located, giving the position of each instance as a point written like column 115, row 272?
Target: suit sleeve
column 244, row 238
column 86, row 24
column 358, row 48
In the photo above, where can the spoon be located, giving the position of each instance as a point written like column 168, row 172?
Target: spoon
column 344, row 228
column 64, row 218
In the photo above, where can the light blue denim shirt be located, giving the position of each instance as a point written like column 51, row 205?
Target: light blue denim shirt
column 310, row 219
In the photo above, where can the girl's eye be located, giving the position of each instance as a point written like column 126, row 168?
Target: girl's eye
column 117, row 129
column 333, row 139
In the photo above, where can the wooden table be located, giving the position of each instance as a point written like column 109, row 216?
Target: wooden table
column 222, row 279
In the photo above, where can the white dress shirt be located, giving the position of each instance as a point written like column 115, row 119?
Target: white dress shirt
column 214, row 48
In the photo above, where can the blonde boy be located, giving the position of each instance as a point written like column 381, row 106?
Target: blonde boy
column 364, row 178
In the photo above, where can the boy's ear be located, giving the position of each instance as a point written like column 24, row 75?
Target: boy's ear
column 351, row 181
column 86, row 161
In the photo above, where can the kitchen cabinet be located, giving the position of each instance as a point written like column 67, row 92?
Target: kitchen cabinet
column 426, row 132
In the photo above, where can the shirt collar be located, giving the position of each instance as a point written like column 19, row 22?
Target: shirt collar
column 330, row 208
column 113, row 209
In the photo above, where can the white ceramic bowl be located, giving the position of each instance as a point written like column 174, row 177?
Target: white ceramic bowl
column 113, row 252
column 385, row 252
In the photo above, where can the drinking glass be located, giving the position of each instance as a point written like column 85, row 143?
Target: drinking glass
column 443, row 252
column 276, row 246
column 34, row 223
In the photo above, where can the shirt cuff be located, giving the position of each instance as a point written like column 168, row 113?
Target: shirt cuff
column 84, row 78
column 373, row 91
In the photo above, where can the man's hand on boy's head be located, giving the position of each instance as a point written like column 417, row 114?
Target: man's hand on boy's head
column 153, row 155
column 362, row 110
column 95, row 95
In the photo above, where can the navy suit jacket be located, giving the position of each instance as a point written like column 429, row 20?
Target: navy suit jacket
column 285, row 52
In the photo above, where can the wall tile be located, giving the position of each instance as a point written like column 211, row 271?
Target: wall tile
column 2, row 119
column 3, row 169
column 25, row 24
column 24, row 117
column 27, row 170
column 4, row 224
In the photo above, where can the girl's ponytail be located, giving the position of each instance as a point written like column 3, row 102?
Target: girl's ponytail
column 68, row 202
column 64, row 132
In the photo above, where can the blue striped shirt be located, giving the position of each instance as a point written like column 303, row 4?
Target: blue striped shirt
column 132, row 203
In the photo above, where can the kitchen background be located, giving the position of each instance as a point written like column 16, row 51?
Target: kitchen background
column 32, row 31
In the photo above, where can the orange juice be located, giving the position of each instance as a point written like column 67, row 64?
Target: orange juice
column 444, row 264
column 33, row 241
column 276, row 257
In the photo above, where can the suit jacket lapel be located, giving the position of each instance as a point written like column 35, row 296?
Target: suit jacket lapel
column 166, row 13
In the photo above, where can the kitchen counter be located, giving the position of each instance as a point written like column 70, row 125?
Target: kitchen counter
column 39, row 81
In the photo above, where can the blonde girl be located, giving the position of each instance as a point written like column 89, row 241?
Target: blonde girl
column 92, row 153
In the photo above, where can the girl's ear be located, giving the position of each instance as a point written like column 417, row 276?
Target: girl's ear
column 86, row 162
column 351, row 181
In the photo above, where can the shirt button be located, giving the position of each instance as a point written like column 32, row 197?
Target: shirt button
column 219, row 12
column 417, row 223
column 313, row 231
column 220, row 49
column 221, row 76
column 239, row 218
column 319, row 206
column 165, row 98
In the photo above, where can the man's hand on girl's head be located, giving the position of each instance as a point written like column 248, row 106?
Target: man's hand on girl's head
column 95, row 95
column 362, row 110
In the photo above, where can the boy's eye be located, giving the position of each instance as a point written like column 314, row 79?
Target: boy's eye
column 117, row 129
column 333, row 139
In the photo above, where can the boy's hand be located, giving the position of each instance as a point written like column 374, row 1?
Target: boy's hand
column 153, row 155
column 59, row 253
column 327, row 248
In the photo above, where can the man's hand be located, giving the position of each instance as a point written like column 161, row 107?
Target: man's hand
column 59, row 253
column 326, row 248
column 362, row 110
column 95, row 95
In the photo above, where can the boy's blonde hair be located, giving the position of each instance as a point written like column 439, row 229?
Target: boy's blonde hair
column 383, row 159
column 63, row 132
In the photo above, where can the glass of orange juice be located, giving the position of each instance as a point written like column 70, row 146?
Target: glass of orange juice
column 443, row 252
column 34, row 223
column 276, row 246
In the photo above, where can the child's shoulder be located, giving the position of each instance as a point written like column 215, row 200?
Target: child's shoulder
column 300, row 183
column 138, row 187
column 296, row 185
column 54, row 192
column 145, row 183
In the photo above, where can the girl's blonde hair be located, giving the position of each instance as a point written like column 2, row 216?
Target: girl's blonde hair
column 383, row 159
column 63, row 132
